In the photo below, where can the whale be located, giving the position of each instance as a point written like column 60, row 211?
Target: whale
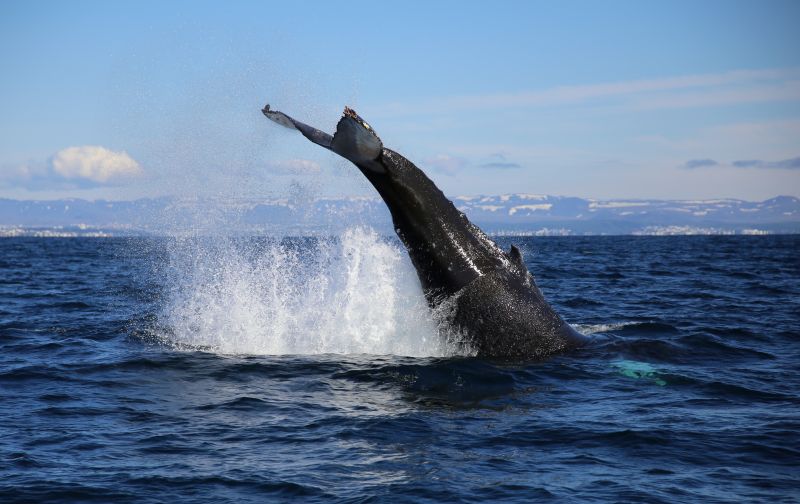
column 485, row 295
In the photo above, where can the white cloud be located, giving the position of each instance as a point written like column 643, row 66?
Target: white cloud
column 95, row 164
column 700, row 163
column 725, row 88
column 716, row 96
column 74, row 168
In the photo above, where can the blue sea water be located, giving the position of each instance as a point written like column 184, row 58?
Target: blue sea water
column 232, row 370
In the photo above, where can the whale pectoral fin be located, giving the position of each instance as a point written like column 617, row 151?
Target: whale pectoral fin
column 318, row 137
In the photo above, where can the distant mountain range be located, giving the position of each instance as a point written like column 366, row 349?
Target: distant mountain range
column 517, row 214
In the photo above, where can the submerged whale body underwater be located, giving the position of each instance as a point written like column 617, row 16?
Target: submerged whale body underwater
column 490, row 297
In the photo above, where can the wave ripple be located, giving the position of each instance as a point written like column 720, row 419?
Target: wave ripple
column 227, row 370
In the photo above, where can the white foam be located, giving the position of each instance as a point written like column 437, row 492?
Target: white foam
column 353, row 294
column 588, row 329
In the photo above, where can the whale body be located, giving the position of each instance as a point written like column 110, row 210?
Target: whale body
column 491, row 298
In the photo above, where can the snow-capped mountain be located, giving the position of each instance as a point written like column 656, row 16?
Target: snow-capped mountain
column 525, row 209
column 507, row 213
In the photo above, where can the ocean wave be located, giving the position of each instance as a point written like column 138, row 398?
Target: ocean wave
column 162, row 390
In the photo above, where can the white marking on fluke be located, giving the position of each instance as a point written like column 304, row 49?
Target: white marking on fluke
column 278, row 117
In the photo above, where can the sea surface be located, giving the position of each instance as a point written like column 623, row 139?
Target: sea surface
column 232, row 370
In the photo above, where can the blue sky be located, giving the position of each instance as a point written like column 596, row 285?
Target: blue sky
column 595, row 99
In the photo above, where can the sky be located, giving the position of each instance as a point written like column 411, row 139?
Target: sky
column 616, row 99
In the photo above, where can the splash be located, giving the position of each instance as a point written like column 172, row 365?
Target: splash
column 355, row 293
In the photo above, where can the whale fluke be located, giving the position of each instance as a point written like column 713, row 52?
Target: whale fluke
column 313, row 134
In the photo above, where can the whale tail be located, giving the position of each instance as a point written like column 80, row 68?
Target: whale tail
column 354, row 139
column 318, row 137
column 495, row 298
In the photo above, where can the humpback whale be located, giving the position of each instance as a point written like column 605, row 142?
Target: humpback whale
column 491, row 298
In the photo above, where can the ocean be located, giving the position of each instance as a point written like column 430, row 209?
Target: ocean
column 229, row 369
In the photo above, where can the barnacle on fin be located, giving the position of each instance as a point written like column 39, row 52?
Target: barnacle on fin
column 348, row 112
